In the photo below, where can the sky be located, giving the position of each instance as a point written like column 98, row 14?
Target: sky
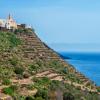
column 70, row 22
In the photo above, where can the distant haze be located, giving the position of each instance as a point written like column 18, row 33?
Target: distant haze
column 84, row 48
column 59, row 21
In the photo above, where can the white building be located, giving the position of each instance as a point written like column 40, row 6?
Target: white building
column 28, row 26
column 3, row 23
column 8, row 23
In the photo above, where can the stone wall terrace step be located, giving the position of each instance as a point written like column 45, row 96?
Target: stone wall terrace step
column 53, row 57
column 32, row 43
column 48, row 73
column 41, row 50
column 39, row 46
column 28, row 49
column 28, row 39
column 41, row 74
column 28, row 60
column 32, row 40
column 46, row 70
column 26, row 36
column 52, row 75
column 58, row 77
column 48, row 51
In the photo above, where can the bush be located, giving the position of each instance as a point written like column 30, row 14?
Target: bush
column 42, row 93
column 55, row 64
column 6, row 72
column 34, row 67
column 30, row 87
column 98, row 89
column 64, row 70
column 8, row 91
column 54, row 84
column 13, row 61
column 14, row 40
column 19, row 70
column 6, row 82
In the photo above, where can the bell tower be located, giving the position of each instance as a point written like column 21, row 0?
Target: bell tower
column 11, row 23
column 9, row 17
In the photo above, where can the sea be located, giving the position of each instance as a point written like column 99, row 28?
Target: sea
column 86, row 63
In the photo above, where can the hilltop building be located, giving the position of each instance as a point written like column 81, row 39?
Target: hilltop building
column 8, row 23
column 11, row 23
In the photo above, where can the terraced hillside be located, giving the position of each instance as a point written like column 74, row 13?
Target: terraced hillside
column 30, row 69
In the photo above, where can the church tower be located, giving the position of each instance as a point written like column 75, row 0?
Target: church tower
column 9, row 17
column 11, row 23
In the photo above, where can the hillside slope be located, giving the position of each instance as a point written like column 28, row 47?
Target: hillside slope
column 28, row 65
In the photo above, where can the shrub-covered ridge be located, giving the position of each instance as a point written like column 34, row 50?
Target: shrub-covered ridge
column 23, row 56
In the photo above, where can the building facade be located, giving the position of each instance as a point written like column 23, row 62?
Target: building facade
column 8, row 23
column 2, row 23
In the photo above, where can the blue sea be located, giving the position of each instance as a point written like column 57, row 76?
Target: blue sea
column 86, row 63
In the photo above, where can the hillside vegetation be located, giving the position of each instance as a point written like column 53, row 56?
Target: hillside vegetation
column 30, row 70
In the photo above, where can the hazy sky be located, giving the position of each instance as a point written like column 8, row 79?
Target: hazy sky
column 58, row 21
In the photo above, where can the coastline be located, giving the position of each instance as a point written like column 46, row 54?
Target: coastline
column 84, row 66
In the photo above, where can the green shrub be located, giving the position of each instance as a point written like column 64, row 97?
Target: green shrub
column 42, row 93
column 55, row 64
column 18, row 31
column 14, row 40
column 34, row 67
column 25, row 31
column 8, row 91
column 5, row 72
column 98, row 89
column 43, row 82
column 30, row 87
column 8, row 40
column 54, row 85
column 19, row 70
column 64, row 70
column 6, row 82
column 13, row 61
